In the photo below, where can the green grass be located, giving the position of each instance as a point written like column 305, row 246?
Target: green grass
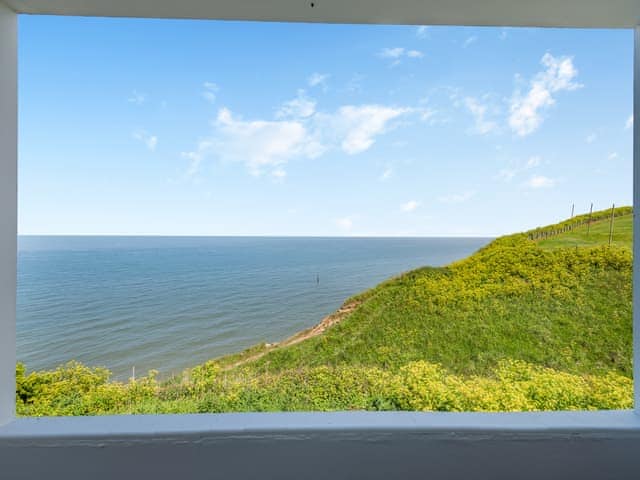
column 598, row 234
column 522, row 324
column 578, row 322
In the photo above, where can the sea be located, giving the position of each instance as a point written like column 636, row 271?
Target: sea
column 166, row 303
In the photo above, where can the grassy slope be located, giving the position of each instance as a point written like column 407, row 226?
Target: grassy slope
column 579, row 324
column 598, row 235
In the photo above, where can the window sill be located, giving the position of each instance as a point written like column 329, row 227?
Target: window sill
column 200, row 427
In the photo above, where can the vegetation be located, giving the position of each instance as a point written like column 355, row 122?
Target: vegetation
column 529, row 322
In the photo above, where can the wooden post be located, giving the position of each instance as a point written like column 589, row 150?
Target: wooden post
column 589, row 221
column 613, row 207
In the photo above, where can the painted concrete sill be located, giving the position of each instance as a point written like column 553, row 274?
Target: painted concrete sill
column 254, row 425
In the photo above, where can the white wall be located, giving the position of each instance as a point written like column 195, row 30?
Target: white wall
column 333, row 446
column 8, row 207
column 543, row 13
column 399, row 445
column 636, row 222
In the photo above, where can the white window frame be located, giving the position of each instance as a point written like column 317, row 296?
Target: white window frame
column 341, row 445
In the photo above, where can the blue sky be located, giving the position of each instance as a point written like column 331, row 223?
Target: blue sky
column 236, row 128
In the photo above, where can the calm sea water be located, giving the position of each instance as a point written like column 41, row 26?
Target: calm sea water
column 172, row 302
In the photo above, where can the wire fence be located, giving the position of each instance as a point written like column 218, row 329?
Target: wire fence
column 588, row 219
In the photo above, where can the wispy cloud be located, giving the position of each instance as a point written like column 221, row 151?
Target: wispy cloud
column 386, row 174
column 261, row 144
column 612, row 156
column 397, row 53
column 345, row 223
column 194, row 159
column 358, row 126
column 525, row 110
column 533, row 162
column 422, row 31
column 519, row 167
column 279, row 175
column 299, row 107
column 479, row 111
column 410, row 206
column 210, row 91
column 150, row 141
column 318, row 80
column 506, row 174
column 457, row 197
column 428, row 115
column 540, row 181
column 469, row 41
column 297, row 131
column 592, row 137
column 137, row 98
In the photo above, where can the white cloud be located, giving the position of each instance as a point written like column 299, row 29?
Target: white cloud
column 299, row 107
column 298, row 132
column 279, row 174
column 427, row 115
column 457, row 197
column 506, row 174
column 518, row 167
column 503, row 34
column 533, row 162
column 137, row 98
column 421, row 31
column 592, row 137
column 410, row 206
column 469, row 41
column 629, row 122
column 386, row 174
column 150, row 141
column 479, row 112
column 612, row 156
column 260, row 144
column 210, row 91
column 358, row 126
column 397, row 53
column 318, row 79
column 195, row 159
column 346, row 223
column 540, row 181
column 559, row 75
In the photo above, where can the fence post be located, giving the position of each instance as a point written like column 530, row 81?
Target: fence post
column 613, row 207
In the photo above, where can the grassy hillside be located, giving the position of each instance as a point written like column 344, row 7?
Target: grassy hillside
column 596, row 234
column 538, row 320
column 542, row 302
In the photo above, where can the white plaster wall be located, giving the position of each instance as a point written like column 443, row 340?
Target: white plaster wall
column 334, row 446
column 350, row 445
column 636, row 222
column 560, row 13
column 8, row 208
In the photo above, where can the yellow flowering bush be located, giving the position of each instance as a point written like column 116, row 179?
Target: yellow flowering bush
column 418, row 386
